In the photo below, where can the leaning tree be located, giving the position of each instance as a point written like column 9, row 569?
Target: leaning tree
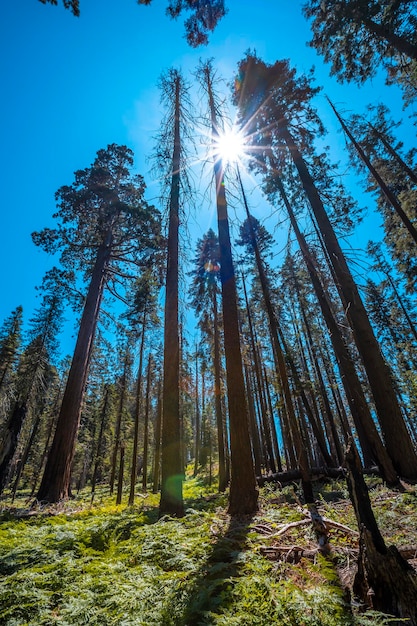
column 105, row 229
column 277, row 115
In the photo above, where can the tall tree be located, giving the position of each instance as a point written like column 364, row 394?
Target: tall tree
column 105, row 228
column 385, row 153
column 10, row 339
column 243, row 496
column 389, row 196
column 204, row 289
column 34, row 365
column 358, row 36
column 143, row 317
column 275, row 105
column 172, row 163
column 203, row 19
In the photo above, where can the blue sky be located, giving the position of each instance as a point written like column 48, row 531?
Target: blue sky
column 73, row 85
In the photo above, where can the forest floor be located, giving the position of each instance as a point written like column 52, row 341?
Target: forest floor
column 102, row 564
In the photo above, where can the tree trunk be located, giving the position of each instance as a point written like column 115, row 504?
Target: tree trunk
column 390, row 197
column 158, row 428
column 397, row 439
column 269, row 454
column 197, row 431
column 134, row 469
column 171, row 502
column 121, row 474
column 384, row 579
column 403, row 46
column 99, row 443
column 279, row 359
column 119, row 420
column 407, row 169
column 223, row 478
column 146, row 427
column 9, row 443
column 55, row 484
column 243, row 498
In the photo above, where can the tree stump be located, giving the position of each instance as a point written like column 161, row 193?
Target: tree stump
column 384, row 580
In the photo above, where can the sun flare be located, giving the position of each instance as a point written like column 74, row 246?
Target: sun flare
column 230, row 146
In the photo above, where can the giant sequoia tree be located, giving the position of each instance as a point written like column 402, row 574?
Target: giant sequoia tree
column 105, row 228
column 276, row 113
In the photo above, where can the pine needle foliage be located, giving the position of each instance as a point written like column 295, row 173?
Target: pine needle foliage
column 75, row 564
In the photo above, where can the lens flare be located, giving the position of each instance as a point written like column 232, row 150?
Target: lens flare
column 229, row 146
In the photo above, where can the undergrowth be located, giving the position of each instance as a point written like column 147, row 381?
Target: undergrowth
column 105, row 565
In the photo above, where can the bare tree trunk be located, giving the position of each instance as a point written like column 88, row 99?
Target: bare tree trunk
column 99, row 443
column 197, row 431
column 221, row 440
column 158, row 428
column 243, row 498
column 171, row 502
column 365, row 340
column 390, row 197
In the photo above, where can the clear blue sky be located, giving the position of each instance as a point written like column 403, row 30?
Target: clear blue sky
column 70, row 86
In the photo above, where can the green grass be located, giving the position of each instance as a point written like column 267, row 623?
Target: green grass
column 106, row 565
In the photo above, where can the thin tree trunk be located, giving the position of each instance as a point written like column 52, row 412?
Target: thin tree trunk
column 119, row 420
column 99, row 443
column 221, row 440
column 158, row 433
column 273, row 427
column 277, row 350
column 396, row 436
column 407, row 169
column 121, row 474
column 25, row 454
column 254, row 430
column 257, row 370
column 134, row 470
column 197, row 432
column 390, row 197
column 146, row 427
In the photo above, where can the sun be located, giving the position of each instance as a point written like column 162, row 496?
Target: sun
column 229, row 146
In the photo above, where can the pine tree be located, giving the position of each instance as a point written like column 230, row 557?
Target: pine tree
column 359, row 36
column 205, row 289
column 105, row 228
column 275, row 105
column 31, row 376
column 10, row 339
